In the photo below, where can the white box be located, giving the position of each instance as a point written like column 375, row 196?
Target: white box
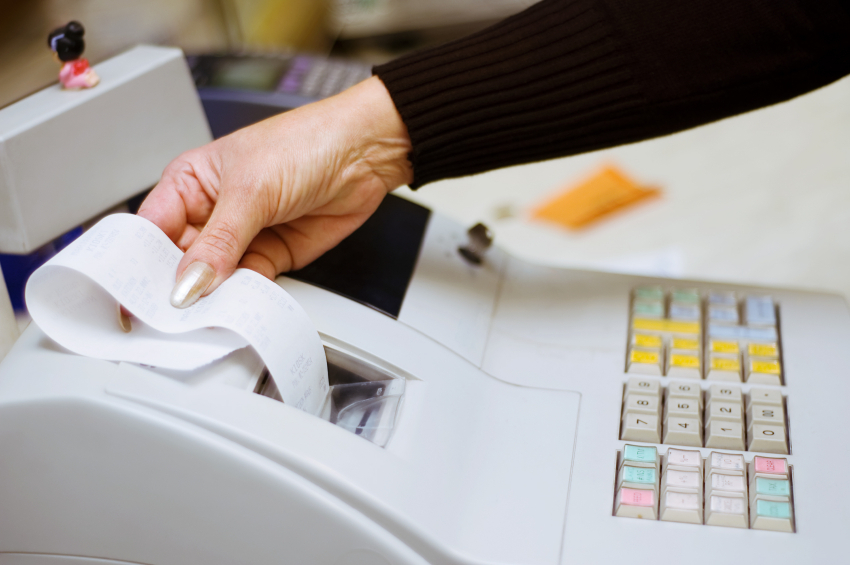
column 66, row 156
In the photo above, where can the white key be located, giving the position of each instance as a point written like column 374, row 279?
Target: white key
column 729, row 511
column 725, row 393
column 641, row 404
column 681, row 507
column 683, row 431
column 725, row 435
column 725, row 412
column 681, row 480
column 768, row 439
column 688, row 391
column 641, row 427
column 731, row 483
column 682, row 408
column 726, row 461
column 648, row 387
column 684, row 458
column 765, row 414
column 764, row 396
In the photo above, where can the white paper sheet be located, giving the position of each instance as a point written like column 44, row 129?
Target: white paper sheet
column 127, row 259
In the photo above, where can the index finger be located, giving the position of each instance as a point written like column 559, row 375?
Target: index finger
column 177, row 208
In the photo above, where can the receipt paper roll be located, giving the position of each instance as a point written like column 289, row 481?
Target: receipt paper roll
column 127, row 259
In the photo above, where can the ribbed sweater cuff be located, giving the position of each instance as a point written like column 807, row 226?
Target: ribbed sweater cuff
column 544, row 83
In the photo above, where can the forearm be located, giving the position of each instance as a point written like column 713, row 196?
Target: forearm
column 570, row 76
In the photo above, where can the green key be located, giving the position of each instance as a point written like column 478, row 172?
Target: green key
column 648, row 309
column 649, row 293
column 686, row 296
column 773, row 509
column 639, row 474
column 641, row 453
column 776, row 487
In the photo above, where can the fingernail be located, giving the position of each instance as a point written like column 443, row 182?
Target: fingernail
column 124, row 319
column 195, row 280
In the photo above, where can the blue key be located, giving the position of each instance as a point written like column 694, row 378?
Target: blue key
column 776, row 487
column 760, row 311
column 645, row 475
column 641, row 453
column 773, row 509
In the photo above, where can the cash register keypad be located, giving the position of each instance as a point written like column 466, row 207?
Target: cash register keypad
column 722, row 490
column 721, row 417
column 717, row 336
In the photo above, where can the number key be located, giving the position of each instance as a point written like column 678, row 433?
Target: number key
column 641, row 427
column 683, row 431
column 724, row 411
column 641, row 404
column 765, row 414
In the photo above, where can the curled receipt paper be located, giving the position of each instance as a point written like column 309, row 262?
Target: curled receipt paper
column 127, row 259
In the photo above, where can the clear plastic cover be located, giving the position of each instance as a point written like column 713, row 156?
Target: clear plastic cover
column 367, row 409
column 364, row 397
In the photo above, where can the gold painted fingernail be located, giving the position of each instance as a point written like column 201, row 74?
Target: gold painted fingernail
column 195, row 280
column 124, row 320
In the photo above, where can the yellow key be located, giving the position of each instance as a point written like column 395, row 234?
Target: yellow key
column 724, row 347
column 764, row 372
column 683, row 364
column 645, row 361
column 645, row 340
column 725, row 364
column 673, row 326
column 724, row 368
column 685, row 343
column 763, row 350
column 684, row 361
column 765, row 367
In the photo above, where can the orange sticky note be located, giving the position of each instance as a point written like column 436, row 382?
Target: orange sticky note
column 601, row 194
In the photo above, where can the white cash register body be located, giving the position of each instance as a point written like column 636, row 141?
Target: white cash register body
column 504, row 449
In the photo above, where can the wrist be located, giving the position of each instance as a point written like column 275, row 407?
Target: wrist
column 378, row 136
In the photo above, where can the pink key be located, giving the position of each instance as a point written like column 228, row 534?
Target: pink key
column 770, row 465
column 635, row 497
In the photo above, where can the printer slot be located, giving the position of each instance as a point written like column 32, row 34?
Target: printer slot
column 363, row 398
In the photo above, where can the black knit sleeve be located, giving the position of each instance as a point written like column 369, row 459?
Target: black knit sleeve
column 570, row 76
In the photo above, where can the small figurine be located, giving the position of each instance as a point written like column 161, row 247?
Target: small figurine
column 67, row 45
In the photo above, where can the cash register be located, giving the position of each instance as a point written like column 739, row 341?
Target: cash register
column 538, row 415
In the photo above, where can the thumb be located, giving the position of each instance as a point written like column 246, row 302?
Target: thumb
column 212, row 257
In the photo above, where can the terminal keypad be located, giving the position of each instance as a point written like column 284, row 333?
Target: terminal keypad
column 637, row 483
column 725, row 419
column 718, row 336
column 721, row 490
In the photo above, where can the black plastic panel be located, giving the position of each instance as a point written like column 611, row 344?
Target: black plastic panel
column 374, row 265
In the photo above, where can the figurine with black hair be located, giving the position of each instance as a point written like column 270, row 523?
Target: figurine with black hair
column 67, row 45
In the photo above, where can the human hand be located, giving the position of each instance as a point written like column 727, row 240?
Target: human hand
column 276, row 195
